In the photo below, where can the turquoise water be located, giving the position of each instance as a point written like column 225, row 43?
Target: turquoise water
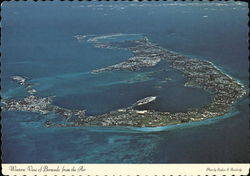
column 43, row 48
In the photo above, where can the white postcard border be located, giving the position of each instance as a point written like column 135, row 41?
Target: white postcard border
column 125, row 169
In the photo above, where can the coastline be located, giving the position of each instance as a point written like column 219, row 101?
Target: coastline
column 129, row 129
column 199, row 73
column 217, row 67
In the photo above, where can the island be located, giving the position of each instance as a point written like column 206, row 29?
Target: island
column 199, row 73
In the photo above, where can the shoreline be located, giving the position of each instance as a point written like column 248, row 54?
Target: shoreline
column 199, row 73
column 131, row 129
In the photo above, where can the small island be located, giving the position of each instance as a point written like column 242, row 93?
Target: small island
column 198, row 73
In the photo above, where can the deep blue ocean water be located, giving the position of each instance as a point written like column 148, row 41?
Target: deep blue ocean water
column 37, row 42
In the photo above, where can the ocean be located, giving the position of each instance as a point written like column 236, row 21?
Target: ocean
column 38, row 42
